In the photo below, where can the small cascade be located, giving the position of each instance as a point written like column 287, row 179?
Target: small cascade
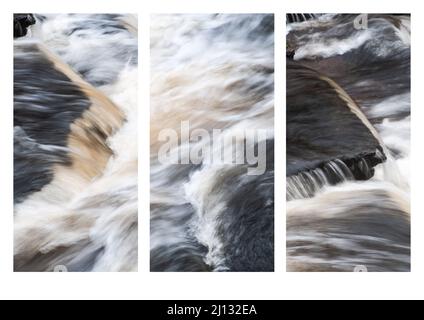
column 299, row 17
column 306, row 184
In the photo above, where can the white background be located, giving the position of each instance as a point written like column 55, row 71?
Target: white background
column 145, row 285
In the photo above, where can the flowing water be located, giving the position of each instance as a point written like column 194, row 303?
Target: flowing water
column 216, row 72
column 346, row 224
column 84, row 218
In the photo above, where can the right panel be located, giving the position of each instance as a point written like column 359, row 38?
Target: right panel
column 348, row 142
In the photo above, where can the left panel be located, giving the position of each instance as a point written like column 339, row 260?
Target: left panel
column 75, row 142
